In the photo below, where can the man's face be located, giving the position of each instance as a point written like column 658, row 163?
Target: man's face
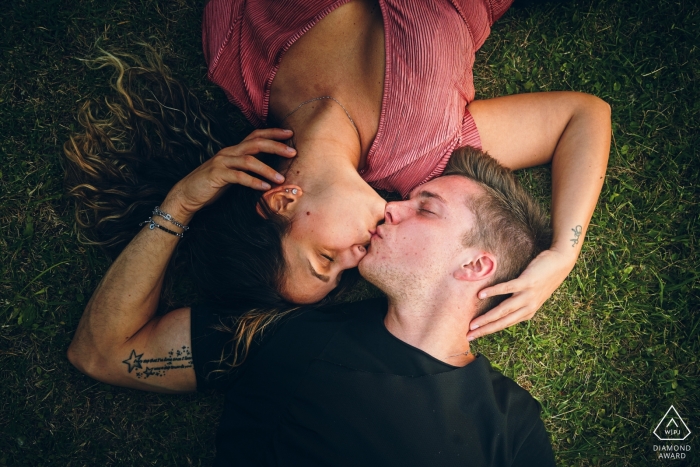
column 420, row 244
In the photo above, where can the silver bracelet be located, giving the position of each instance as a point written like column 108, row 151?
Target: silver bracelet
column 153, row 225
column 169, row 218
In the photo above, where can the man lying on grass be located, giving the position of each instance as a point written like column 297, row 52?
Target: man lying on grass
column 377, row 382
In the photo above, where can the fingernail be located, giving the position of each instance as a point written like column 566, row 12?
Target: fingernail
column 291, row 150
column 267, row 186
column 471, row 338
column 474, row 326
column 286, row 130
column 482, row 295
column 279, row 177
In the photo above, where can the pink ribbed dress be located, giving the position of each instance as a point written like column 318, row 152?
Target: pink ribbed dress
column 430, row 48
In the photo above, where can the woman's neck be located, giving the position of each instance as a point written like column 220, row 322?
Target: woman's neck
column 327, row 144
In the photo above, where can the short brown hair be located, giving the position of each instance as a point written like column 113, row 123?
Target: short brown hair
column 509, row 222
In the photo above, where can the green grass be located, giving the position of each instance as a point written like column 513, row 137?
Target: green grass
column 615, row 346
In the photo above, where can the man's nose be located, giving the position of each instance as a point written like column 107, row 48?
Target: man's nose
column 395, row 212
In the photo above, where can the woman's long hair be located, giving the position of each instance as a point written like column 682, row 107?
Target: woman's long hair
column 133, row 148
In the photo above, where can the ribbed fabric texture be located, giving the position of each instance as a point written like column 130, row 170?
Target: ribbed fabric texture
column 430, row 48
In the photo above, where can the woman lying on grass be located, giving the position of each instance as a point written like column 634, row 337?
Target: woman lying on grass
column 376, row 94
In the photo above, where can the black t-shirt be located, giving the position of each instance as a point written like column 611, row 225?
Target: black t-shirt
column 333, row 387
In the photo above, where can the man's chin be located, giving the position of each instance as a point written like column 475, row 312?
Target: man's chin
column 365, row 266
column 372, row 271
column 361, row 265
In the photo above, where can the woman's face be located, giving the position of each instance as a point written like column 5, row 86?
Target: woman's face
column 330, row 232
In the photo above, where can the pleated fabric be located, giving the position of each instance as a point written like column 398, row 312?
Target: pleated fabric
column 430, row 49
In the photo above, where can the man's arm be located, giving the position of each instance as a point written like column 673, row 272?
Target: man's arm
column 536, row 449
column 119, row 339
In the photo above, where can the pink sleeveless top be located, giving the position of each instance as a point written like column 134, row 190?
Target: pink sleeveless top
column 430, row 48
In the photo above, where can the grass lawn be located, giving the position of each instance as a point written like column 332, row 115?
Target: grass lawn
column 616, row 345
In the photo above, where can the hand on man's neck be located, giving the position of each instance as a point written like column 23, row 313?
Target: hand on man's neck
column 435, row 323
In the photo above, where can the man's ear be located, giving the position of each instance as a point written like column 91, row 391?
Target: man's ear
column 476, row 266
column 281, row 199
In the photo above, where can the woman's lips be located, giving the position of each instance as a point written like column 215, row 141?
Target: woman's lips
column 377, row 233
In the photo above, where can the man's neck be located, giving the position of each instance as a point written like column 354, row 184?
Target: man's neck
column 435, row 324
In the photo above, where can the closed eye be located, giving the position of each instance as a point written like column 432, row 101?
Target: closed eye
column 330, row 260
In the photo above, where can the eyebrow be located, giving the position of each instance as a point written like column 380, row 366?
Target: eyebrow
column 315, row 274
column 430, row 194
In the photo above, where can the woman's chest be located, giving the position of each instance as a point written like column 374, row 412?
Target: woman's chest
column 401, row 69
column 342, row 56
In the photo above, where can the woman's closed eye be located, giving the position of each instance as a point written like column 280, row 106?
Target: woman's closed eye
column 328, row 258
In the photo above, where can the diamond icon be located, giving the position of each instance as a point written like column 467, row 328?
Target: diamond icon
column 672, row 427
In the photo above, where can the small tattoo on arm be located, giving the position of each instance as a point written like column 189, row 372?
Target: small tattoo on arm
column 145, row 368
column 577, row 233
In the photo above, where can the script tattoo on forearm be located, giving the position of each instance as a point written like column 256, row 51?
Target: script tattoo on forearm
column 577, row 233
column 147, row 367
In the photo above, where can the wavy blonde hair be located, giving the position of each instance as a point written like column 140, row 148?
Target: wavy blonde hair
column 133, row 147
column 152, row 123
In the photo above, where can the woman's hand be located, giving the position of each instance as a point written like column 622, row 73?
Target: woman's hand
column 534, row 286
column 231, row 165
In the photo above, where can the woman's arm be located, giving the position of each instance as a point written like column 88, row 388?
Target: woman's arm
column 118, row 329
column 119, row 337
column 572, row 131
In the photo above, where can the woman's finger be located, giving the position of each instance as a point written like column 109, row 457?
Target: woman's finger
column 499, row 325
column 516, row 285
column 252, row 164
column 242, row 178
column 258, row 145
column 271, row 133
column 503, row 309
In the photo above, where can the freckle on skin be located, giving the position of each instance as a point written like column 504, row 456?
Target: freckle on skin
column 308, row 213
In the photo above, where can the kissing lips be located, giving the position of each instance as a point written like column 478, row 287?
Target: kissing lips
column 377, row 233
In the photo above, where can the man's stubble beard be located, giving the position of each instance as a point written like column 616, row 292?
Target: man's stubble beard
column 397, row 284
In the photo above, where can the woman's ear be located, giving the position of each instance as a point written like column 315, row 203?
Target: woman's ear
column 281, row 199
column 477, row 267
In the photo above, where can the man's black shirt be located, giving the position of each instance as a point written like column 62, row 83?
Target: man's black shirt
column 333, row 387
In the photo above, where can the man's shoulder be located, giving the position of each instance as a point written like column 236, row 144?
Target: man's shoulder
column 520, row 414
column 366, row 306
column 339, row 312
column 517, row 414
column 507, row 393
column 306, row 331
column 214, row 327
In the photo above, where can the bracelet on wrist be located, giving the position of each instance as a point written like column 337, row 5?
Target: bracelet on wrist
column 169, row 218
column 153, row 225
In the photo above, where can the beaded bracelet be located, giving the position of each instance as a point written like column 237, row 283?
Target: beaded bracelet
column 153, row 225
column 168, row 217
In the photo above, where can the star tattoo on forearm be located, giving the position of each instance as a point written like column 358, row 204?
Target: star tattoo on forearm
column 147, row 367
